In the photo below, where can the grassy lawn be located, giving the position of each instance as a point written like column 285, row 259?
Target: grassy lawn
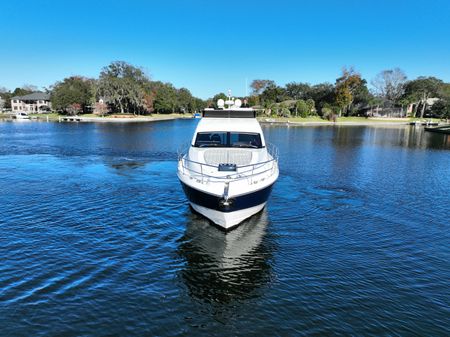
column 51, row 116
column 118, row 115
column 372, row 120
column 311, row 119
column 293, row 119
column 425, row 119
column 175, row 115
column 347, row 119
column 90, row 115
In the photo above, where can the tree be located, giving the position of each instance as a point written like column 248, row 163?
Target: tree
column 390, row 84
column 343, row 98
column 101, row 108
column 73, row 94
column 4, row 97
column 199, row 104
column 441, row 108
column 311, row 106
column 123, row 86
column 74, row 109
column 346, row 85
column 7, row 95
column 253, row 101
column 362, row 98
column 273, row 94
column 185, row 100
column 21, row 92
column 302, row 108
column 151, row 89
column 166, row 98
column 322, row 94
column 213, row 101
column 418, row 91
column 444, row 91
column 149, row 101
column 258, row 86
column 298, row 90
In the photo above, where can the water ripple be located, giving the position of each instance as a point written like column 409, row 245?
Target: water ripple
column 96, row 236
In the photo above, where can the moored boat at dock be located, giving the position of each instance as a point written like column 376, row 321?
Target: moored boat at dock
column 21, row 115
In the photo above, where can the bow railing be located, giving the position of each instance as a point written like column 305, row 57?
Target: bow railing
column 202, row 172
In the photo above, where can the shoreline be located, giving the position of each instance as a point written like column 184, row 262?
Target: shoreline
column 81, row 119
column 345, row 121
column 348, row 121
column 95, row 119
column 339, row 123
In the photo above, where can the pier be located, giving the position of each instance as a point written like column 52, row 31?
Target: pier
column 70, row 119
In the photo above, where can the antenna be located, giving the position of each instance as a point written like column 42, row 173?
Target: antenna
column 246, row 87
column 230, row 100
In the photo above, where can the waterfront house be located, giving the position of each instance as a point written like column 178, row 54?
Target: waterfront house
column 36, row 102
column 412, row 108
column 101, row 107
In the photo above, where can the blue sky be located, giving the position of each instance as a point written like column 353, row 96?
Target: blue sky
column 212, row 46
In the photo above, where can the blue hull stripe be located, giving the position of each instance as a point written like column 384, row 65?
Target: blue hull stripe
column 216, row 203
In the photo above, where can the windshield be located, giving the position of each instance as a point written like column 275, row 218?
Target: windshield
column 228, row 139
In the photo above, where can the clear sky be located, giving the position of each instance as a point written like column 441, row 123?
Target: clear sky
column 212, row 46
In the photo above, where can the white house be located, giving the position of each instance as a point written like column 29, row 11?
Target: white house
column 37, row 102
column 429, row 103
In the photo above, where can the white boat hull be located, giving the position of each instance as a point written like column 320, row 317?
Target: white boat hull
column 227, row 220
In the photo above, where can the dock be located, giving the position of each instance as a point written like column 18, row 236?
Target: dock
column 70, row 119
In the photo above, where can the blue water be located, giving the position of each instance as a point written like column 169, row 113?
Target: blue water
column 97, row 239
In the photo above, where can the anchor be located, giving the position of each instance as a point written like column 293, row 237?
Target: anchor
column 225, row 202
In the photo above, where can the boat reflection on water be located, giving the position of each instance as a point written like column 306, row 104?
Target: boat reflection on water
column 224, row 267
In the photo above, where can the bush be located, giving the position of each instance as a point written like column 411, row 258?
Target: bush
column 311, row 107
column 326, row 113
column 329, row 114
column 441, row 108
column 285, row 112
column 303, row 109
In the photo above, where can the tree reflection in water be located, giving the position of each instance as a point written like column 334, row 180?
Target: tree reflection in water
column 225, row 267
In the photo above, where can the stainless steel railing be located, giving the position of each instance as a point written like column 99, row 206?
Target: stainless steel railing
column 200, row 170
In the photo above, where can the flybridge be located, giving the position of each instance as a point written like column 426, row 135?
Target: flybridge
column 228, row 113
column 234, row 109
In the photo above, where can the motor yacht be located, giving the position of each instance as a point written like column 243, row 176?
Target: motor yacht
column 228, row 170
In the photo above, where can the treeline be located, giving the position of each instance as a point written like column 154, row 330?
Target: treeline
column 124, row 88
column 120, row 88
column 391, row 93
column 6, row 95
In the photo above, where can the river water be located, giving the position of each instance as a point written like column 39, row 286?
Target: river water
column 97, row 239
